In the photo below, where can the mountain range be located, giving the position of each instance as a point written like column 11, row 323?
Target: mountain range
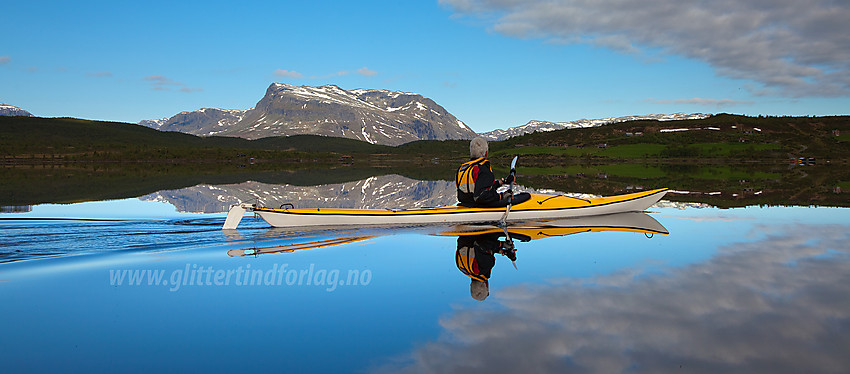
column 11, row 110
column 374, row 116
column 535, row 126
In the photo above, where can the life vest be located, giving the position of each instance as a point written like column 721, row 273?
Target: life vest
column 465, row 261
column 467, row 174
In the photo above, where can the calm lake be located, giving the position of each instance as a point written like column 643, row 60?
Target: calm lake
column 152, row 283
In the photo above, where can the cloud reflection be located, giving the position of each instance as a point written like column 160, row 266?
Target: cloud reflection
column 781, row 304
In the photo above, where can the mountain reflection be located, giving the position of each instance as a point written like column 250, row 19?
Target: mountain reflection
column 386, row 191
column 777, row 305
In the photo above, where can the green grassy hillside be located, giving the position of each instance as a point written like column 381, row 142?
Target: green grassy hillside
column 722, row 136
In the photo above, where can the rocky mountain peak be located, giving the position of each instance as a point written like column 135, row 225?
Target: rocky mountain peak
column 375, row 116
column 11, row 110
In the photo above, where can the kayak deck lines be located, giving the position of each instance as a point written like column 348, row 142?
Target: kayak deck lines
column 567, row 196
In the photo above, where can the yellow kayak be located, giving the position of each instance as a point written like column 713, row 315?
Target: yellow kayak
column 539, row 206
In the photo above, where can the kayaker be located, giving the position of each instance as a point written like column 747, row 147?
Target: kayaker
column 476, row 184
column 475, row 257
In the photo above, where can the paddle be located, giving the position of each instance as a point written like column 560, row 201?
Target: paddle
column 504, row 222
column 511, row 190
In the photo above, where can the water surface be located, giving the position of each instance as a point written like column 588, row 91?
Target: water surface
column 135, row 285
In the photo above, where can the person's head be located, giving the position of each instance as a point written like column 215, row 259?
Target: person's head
column 478, row 148
column 479, row 290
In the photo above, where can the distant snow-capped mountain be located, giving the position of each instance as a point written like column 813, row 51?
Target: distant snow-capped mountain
column 154, row 123
column 11, row 110
column 535, row 126
column 375, row 116
column 203, row 122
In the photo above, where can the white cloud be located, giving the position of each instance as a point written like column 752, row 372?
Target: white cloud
column 366, row 72
column 790, row 47
column 5, row 60
column 288, row 73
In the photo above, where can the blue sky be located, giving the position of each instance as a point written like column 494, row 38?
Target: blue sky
column 491, row 63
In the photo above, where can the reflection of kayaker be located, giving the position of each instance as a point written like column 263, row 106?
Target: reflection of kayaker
column 478, row 244
column 475, row 257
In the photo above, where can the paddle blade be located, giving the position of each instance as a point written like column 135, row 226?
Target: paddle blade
column 234, row 215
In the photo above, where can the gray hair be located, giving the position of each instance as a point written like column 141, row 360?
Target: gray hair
column 479, row 290
column 478, row 147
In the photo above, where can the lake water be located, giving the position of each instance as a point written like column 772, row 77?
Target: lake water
column 153, row 284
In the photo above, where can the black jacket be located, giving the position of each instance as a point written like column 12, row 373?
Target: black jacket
column 475, row 255
column 484, row 193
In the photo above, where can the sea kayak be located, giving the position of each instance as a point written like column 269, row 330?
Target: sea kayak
column 539, row 206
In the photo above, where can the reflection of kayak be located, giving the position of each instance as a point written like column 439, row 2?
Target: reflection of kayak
column 532, row 230
column 540, row 206
column 524, row 231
